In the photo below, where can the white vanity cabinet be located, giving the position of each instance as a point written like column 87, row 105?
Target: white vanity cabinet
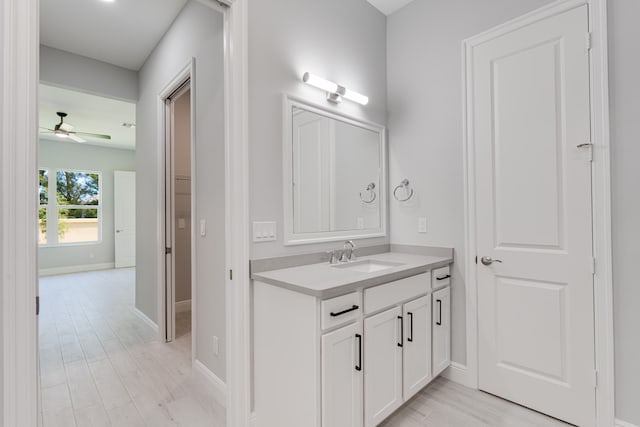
column 347, row 361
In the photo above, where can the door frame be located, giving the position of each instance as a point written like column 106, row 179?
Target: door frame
column 18, row 279
column 166, row 319
column 601, row 194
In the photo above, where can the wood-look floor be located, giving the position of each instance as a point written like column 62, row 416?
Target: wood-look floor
column 447, row 404
column 100, row 365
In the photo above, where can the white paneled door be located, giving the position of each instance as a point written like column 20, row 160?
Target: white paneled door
column 531, row 129
column 124, row 206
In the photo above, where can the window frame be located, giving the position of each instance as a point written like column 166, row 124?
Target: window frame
column 52, row 206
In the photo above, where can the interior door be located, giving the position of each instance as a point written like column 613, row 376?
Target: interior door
column 382, row 365
column 124, row 218
column 417, row 345
column 531, row 124
column 342, row 377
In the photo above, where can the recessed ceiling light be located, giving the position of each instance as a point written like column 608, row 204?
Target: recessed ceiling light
column 108, row 1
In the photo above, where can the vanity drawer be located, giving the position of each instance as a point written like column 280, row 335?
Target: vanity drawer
column 441, row 277
column 386, row 295
column 339, row 310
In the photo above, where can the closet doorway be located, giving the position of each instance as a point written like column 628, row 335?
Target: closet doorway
column 179, row 210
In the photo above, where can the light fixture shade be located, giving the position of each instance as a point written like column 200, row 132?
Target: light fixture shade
column 319, row 82
column 335, row 92
column 354, row 96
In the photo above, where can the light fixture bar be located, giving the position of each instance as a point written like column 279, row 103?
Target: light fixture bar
column 335, row 92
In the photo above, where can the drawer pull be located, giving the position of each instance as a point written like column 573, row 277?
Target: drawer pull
column 401, row 331
column 439, row 302
column 443, row 277
column 354, row 307
column 359, row 365
column 410, row 339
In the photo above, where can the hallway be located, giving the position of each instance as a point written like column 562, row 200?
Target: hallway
column 101, row 365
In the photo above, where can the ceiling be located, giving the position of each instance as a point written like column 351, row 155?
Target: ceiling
column 88, row 113
column 389, row 6
column 120, row 32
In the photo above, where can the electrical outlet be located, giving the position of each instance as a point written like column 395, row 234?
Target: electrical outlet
column 422, row 225
column 216, row 346
column 360, row 222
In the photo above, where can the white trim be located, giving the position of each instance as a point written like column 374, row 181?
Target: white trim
column 252, row 419
column 457, row 373
column 603, row 288
column 75, row 269
column 620, row 423
column 166, row 327
column 219, row 387
column 182, row 306
column 237, row 291
column 290, row 236
column 19, row 203
column 150, row 323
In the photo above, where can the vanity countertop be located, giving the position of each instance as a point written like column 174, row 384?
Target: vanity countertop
column 325, row 281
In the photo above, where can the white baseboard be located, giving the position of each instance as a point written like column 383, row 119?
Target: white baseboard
column 75, row 269
column 146, row 319
column 182, row 306
column 457, row 373
column 620, row 423
column 219, row 386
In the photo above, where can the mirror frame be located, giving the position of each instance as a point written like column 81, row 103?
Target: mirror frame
column 293, row 238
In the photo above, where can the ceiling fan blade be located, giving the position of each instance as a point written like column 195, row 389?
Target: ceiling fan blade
column 92, row 135
column 66, row 127
column 76, row 138
column 46, row 129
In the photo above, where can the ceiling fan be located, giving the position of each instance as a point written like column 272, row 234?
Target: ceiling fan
column 65, row 130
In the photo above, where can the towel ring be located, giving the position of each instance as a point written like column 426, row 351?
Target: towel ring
column 404, row 184
column 370, row 189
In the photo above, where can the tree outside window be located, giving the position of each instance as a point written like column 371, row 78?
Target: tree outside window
column 75, row 212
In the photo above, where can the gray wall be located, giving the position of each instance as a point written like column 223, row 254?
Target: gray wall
column 69, row 70
column 624, row 69
column 66, row 155
column 425, row 124
column 182, row 194
column 343, row 41
column 196, row 32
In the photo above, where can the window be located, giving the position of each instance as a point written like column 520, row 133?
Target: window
column 73, row 216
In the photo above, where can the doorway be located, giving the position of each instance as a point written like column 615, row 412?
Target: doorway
column 179, row 185
column 532, row 190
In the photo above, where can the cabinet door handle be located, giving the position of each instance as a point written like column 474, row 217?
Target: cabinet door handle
column 410, row 339
column 359, row 365
column 439, row 302
column 354, row 307
column 401, row 331
column 443, row 277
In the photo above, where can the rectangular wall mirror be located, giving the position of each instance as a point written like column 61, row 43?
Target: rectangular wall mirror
column 334, row 175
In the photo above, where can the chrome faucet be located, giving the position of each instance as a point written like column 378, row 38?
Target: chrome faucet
column 333, row 257
column 348, row 251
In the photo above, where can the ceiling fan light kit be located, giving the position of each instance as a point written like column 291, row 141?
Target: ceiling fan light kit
column 65, row 130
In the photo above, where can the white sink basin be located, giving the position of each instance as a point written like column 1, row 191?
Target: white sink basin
column 367, row 265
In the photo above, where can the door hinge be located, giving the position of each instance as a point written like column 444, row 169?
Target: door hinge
column 595, row 379
column 593, row 265
column 230, row 274
column 38, row 305
column 588, row 41
column 167, row 251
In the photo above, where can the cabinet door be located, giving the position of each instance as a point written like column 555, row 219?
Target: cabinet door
column 417, row 345
column 342, row 377
column 382, row 365
column 441, row 330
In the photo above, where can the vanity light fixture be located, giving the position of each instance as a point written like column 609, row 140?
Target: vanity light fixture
column 335, row 92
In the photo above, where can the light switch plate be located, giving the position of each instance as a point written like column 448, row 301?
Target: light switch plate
column 360, row 222
column 264, row 231
column 422, row 225
column 181, row 223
